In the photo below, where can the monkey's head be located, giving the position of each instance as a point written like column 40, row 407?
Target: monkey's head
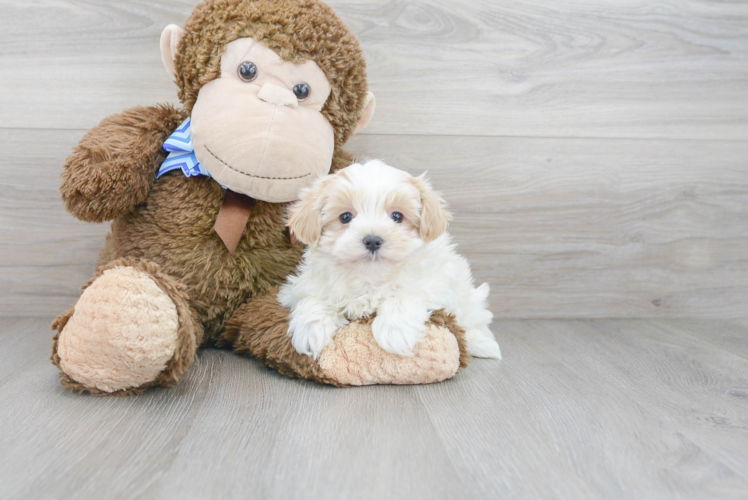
column 272, row 86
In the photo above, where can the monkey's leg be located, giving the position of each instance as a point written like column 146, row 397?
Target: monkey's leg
column 258, row 328
column 132, row 328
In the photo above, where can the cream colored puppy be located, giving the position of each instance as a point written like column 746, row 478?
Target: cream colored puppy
column 378, row 244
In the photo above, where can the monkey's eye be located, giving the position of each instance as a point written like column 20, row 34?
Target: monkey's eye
column 301, row 91
column 247, row 71
column 397, row 217
column 346, row 217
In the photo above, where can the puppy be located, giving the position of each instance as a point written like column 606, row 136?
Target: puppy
column 378, row 244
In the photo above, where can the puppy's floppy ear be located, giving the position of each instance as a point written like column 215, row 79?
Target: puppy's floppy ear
column 305, row 216
column 434, row 217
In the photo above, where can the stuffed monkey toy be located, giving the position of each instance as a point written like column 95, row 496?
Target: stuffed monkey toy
column 197, row 196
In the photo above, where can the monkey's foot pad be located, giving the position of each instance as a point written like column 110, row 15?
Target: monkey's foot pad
column 128, row 331
column 353, row 358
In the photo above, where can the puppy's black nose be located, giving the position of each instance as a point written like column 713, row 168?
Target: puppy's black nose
column 372, row 243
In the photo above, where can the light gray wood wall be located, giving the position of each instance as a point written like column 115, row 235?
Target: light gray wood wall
column 595, row 153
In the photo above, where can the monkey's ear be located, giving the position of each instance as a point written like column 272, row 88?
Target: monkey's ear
column 434, row 217
column 369, row 105
column 305, row 216
column 169, row 42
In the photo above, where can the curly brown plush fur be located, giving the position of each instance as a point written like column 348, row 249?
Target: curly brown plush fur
column 112, row 172
column 296, row 30
column 259, row 329
column 114, row 166
column 164, row 227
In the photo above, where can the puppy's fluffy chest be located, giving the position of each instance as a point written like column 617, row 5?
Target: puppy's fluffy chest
column 363, row 300
column 358, row 291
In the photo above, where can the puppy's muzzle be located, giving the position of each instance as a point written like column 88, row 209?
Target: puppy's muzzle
column 373, row 243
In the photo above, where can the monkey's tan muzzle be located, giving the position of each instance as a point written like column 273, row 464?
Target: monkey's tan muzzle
column 263, row 143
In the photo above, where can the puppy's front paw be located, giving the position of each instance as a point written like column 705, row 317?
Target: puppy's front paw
column 397, row 335
column 310, row 338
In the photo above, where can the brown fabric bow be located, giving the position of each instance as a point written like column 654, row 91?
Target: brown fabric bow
column 233, row 217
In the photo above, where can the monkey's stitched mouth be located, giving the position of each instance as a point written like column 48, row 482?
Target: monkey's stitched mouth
column 255, row 176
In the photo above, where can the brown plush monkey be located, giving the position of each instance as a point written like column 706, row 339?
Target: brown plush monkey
column 272, row 90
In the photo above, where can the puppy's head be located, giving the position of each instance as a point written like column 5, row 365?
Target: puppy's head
column 369, row 213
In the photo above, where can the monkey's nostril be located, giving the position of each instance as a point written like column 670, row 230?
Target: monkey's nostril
column 372, row 243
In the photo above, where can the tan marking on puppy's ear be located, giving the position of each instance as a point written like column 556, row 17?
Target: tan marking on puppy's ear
column 305, row 216
column 434, row 217
column 170, row 38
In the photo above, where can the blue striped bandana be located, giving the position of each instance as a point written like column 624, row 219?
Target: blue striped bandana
column 181, row 153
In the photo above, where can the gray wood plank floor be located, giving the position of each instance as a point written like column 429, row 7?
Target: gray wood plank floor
column 578, row 409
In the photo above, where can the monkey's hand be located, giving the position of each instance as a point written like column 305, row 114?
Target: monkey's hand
column 114, row 166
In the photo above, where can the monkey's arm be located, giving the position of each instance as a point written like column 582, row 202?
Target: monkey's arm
column 114, row 166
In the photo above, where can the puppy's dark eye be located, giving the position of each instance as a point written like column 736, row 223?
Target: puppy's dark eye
column 247, row 71
column 301, row 91
column 397, row 217
column 346, row 217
